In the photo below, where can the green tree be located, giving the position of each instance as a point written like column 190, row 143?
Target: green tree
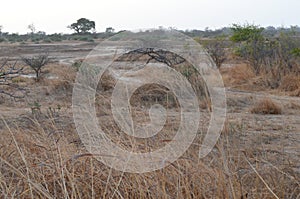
column 246, row 33
column 251, row 44
column 289, row 47
column 274, row 56
column 82, row 26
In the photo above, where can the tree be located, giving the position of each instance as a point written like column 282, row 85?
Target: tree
column 289, row 47
column 270, row 31
column 82, row 26
column 32, row 28
column 109, row 30
column 216, row 49
column 8, row 72
column 246, row 33
column 1, row 27
column 251, row 44
column 36, row 63
column 269, row 55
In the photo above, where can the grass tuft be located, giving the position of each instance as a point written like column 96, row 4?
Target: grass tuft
column 266, row 106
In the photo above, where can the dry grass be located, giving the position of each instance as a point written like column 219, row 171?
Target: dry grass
column 58, row 89
column 42, row 157
column 241, row 76
column 291, row 85
column 293, row 105
column 237, row 75
column 266, row 106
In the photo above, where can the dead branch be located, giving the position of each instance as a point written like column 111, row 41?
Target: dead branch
column 9, row 71
column 151, row 54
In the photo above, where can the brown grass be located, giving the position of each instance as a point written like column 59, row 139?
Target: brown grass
column 41, row 156
column 241, row 76
column 293, row 105
column 60, row 87
column 266, row 106
column 291, row 85
column 35, row 164
column 237, row 75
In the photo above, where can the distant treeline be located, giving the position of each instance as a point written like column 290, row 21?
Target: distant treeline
column 43, row 37
column 269, row 31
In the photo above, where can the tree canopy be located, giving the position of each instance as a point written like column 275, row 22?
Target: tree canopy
column 82, row 26
column 245, row 33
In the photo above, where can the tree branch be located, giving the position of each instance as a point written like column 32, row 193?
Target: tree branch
column 8, row 72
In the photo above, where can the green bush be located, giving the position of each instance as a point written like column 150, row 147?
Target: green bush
column 86, row 37
column 47, row 40
column 35, row 40
column 77, row 64
column 2, row 39
column 56, row 37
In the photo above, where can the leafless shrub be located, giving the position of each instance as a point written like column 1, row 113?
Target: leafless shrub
column 36, row 63
column 8, row 72
column 216, row 49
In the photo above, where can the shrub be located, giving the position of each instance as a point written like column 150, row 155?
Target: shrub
column 216, row 49
column 47, row 40
column 56, row 37
column 86, row 38
column 36, row 63
column 77, row 64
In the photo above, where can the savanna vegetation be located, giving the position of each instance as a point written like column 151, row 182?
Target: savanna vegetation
column 256, row 156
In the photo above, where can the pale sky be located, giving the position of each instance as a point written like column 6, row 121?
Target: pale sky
column 55, row 15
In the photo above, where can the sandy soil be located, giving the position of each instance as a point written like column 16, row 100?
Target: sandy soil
column 63, row 52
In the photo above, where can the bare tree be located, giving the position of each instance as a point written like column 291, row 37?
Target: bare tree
column 216, row 49
column 36, row 63
column 32, row 28
column 8, row 72
column 151, row 54
column 1, row 28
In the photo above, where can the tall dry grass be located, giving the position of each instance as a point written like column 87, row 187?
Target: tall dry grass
column 43, row 162
column 266, row 106
column 291, row 85
column 238, row 76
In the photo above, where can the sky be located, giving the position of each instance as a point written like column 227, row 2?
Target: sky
column 54, row 16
